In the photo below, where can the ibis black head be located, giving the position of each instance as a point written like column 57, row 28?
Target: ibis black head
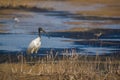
column 40, row 30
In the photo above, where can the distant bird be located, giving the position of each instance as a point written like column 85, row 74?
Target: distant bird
column 98, row 34
column 36, row 43
column 16, row 19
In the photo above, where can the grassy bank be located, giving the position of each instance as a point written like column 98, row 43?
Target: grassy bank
column 97, row 1
column 72, row 67
column 110, row 7
column 14, row 3
column 20, row 5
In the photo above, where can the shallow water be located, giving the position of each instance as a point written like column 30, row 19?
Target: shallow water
column 19, row 43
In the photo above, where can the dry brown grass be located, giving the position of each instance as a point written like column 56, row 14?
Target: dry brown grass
column 72, row 67
column 107, row 12
column 14, row 3
column 111, row 8
column 97, row 1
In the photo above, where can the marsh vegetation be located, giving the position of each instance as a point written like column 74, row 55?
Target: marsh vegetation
column 68, row 67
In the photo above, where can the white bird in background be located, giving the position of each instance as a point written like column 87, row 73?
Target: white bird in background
column 16, row 19
column 35, row 44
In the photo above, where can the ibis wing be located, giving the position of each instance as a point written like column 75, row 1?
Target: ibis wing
column 34, row 46
column 31, row 47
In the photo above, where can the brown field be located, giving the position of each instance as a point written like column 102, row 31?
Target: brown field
column 72, row 67
column 97, row 1
column 107, row 11
column 110, row 8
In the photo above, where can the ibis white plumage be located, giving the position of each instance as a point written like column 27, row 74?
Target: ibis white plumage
column 36, row 43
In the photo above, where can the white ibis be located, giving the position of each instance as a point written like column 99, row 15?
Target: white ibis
column 36, row 43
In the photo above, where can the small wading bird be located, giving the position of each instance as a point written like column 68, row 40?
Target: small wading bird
column 98, row 34
column 36, row 43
